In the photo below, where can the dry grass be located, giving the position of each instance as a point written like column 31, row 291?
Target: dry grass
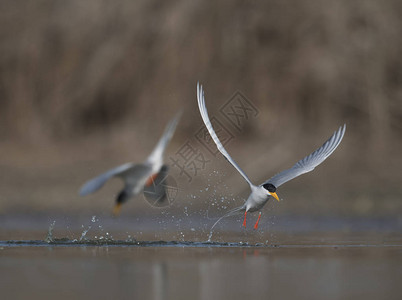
column 74, row 70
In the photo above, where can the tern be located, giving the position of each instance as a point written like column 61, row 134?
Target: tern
column 260, row 194
column 138, row 177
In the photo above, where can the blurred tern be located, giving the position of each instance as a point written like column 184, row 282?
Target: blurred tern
column 138, row 177
column 261, row 194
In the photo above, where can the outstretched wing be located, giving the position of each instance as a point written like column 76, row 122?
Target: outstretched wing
column 97, row 182
column 308, row 163
column 157, row 153
column 207, row 122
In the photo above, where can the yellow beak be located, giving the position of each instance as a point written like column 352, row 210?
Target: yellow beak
column 275, row 196
column 116, row 209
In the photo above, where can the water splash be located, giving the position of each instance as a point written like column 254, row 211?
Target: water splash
column 94, row 220
column 106, row 238
column 397, row 244
column 134, row 243
column 129, row 239
column 210, row 236
column 84, row 233
column 49, row 237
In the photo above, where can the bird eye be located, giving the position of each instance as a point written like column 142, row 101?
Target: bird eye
column 269, row 187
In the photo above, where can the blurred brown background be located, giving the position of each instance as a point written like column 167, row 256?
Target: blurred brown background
column 85, row 86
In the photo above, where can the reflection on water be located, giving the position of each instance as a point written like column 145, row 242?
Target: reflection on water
column 200, row 272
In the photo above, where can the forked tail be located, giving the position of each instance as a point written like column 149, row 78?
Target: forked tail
column 231, row 212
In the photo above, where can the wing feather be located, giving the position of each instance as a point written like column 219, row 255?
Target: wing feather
column 97, row 182
column 207, row 122
column 311, row 161
column 157, row 153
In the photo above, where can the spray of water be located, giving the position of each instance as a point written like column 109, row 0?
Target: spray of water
column 49, row 237
column 84, row 233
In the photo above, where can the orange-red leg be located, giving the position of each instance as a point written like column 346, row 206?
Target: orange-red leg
column 256, row 223
column 151, row 179
column 244, row 222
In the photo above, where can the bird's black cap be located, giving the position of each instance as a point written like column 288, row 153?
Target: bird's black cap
column 270, row 187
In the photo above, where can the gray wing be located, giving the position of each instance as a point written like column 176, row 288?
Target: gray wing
column 308, row 163
column 207, row 122
column 157, row 153
column 97, row 182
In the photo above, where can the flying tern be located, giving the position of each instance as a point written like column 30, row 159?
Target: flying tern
column 138, row 177
column 260, row 194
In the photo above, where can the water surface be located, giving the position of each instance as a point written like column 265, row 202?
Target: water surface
column 115, row 262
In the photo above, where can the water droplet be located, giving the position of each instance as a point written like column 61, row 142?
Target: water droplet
column 84, row 233
column 49, row 236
